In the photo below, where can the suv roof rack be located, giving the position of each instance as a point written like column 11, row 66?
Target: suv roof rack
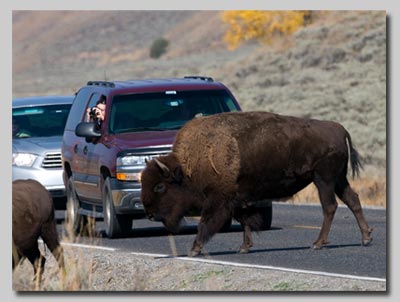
column 100, row 83
column 203, row 78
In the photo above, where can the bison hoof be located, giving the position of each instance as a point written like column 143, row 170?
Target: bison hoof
column 244, row 251
column 319, row 244
column 366, row 242
column 366, row 237
column 194, row 253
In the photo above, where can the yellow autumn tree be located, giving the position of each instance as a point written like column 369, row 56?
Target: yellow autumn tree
column 261, row 25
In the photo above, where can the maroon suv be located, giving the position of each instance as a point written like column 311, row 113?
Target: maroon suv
column 103, row 161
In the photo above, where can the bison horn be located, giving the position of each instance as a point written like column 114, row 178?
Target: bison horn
column 164, row 168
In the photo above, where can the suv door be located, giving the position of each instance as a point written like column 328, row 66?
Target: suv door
column 87, row 182
column 71, row 142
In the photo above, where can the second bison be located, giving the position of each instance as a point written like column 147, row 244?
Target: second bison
column 222, row 164
column 33, row 217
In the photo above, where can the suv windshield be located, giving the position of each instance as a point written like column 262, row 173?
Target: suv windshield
column 39, row 121
column 165, row 110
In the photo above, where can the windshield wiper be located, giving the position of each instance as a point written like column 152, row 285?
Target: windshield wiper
column 138, row 129
column 173, row 128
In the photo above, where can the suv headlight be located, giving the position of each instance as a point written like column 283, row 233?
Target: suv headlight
column 131, row 160
column 130, row 167
column 23, row 159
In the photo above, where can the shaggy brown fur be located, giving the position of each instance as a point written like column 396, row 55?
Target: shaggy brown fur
column 33, row 217
column 224, row 163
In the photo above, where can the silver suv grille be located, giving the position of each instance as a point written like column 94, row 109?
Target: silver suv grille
column 52, row 160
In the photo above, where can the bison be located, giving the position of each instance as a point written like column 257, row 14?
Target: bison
column 224, row 163
column 33, row 217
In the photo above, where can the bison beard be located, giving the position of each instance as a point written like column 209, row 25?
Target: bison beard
column 223, row 164
column 33, row 217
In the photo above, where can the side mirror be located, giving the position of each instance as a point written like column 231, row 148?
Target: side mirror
column 88, row 130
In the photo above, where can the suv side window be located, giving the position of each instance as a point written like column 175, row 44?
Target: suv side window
column 77, row 110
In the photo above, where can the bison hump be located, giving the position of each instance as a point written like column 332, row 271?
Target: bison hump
column 209, row 157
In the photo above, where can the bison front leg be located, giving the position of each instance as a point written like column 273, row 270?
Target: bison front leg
column 50, row 237
column 251, row 220
column 38, row 262
column 247, row 240
column 199, row 240
column 212, row 220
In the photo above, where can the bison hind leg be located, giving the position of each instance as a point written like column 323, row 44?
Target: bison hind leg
column 351, row 199
column 329, row 206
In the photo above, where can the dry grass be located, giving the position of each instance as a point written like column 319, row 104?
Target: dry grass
column 85, row 270
column 79, row 267
column 78, row 271
column 78, row 274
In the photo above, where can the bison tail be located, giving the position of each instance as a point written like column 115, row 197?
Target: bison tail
column 355, row 158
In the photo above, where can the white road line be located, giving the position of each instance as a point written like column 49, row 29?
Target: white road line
column 262, row 267
column 86, row 246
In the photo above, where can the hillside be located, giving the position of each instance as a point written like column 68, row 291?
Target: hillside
column 333, row 69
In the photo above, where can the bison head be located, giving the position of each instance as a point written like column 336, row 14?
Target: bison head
column 164, row 196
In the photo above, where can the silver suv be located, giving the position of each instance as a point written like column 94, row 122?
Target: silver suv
column 38, row 126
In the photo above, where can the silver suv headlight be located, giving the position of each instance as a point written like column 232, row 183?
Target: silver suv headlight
column 23, row 159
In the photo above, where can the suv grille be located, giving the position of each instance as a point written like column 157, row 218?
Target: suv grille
column 52, row 160
column 150, row 152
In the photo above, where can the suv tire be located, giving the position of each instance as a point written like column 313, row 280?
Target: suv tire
column 115, row 225
column 76, row 223
column 266, row 214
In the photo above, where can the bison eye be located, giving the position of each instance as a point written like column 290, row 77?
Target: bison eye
column 159, row 188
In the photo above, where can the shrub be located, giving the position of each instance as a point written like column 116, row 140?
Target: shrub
column 261, row 25
column 158, row 48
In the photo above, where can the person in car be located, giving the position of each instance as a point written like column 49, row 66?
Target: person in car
column 19, row 125
column 98, row 112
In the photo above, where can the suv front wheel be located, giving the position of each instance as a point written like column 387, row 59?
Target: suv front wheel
column 76, row 223
column 115, row 225
column 266, row 213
